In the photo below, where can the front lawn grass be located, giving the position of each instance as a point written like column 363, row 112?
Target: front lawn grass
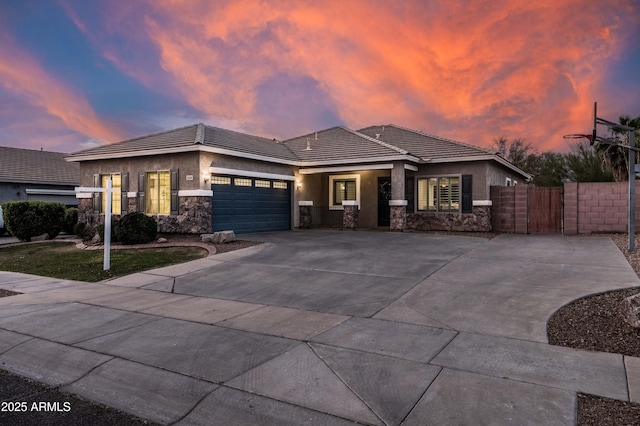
column 65, row 261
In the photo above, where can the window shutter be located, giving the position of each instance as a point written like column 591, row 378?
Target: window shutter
column 408, row 194
column 467, row 199
column 141, row 197
column 174, row 192
column 97, row 196
column 124, row 188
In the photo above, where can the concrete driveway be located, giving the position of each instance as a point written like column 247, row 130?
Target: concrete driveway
column 329, row 327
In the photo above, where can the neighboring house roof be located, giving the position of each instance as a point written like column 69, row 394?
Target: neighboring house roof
column 434, row 149
column 197, row 137
column 339, row 144
column 37, row 167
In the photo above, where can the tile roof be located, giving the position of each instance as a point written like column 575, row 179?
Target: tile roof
column 337, row 145
column 248, row 144
column 42, row 167
column 190, row 137
column 340, row 143
column 424, row 145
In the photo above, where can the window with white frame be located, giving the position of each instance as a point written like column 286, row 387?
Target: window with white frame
column 158, row 193
column 343, row 188
column 116, row 195
column 439, row 194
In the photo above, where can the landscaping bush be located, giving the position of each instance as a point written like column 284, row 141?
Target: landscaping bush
column 114, row 225
column 2, row 228
column 27, row 219
column 70, row 220
column 136, row 228
column 84, row 231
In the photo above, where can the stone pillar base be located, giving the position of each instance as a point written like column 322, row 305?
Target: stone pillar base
column 398, row 218
column 350, row 216
column 305, row 217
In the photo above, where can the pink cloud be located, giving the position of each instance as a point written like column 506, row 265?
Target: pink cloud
column 470, row 71
column 49, row 99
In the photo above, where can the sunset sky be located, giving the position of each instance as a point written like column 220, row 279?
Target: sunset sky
column 77, row 73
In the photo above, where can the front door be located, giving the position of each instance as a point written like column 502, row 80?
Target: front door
column 384, row 195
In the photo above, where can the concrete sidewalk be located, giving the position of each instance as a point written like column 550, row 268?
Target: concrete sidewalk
column 329, row 327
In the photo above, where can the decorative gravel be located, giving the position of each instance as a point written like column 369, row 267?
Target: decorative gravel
column 596, row 323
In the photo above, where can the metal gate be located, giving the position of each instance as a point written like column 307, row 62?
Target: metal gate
column 545, row 210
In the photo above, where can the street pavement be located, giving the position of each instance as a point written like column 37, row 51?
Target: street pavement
column 329, row 327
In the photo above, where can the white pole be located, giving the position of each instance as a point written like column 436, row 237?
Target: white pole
column 107, row 228
column 632, row 191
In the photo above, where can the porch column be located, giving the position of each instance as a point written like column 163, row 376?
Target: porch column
column 349, row 214
column 306, row 218
column 397, row 204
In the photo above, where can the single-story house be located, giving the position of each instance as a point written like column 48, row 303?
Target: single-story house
column 37, row 175
column 199, row 179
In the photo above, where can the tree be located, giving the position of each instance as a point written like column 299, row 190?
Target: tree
column 547, row 169
column 517, row 152
column 584, row 164
column 616, row 157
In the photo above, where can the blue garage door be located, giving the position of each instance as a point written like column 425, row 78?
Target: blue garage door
column 246, row 204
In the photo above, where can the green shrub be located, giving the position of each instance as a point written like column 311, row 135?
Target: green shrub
column 84, row 231
column 70, row 219
column 114, row 225
column 2, row 228
column 136, row 228
column 27, row 219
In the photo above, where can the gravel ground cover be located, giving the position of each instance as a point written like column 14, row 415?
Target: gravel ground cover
column 596, row 323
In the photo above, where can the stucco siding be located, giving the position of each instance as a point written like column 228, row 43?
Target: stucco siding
column 187, row 163
column 485, row 174
column 228, row 162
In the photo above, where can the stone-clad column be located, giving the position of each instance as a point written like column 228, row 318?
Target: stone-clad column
column 397, row 181
column 397, row 204
column 306, row 218
column 349, row 214
column 398, row 215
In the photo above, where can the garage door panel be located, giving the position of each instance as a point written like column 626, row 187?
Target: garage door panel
column 250, row 208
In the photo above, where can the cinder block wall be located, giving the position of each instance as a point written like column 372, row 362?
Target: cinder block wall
column 597, row 207
column 509, row 210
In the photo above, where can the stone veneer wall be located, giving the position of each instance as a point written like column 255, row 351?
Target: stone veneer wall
column 398, row 218
column 478, row 221
column 194, row 215
column 306, row 218
column 350, row 217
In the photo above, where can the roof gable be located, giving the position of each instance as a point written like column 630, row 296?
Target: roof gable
column 340, row 143
column 424, row 145
column 190, row 138
column 32, row 166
